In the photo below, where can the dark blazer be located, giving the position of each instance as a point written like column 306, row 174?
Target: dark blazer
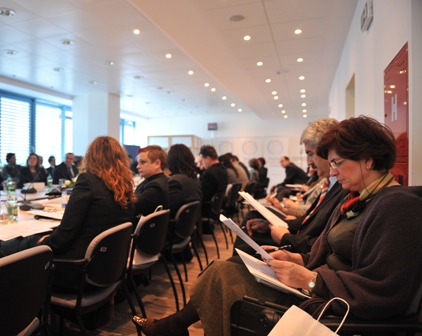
column 151, row 193
column 294, row 175
column 50, row 170
column 214, row 180
column 61, row 171
column 26, row 176
column 91, row 210
column 183, row 189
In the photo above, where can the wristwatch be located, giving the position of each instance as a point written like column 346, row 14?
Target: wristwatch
column 311, row 284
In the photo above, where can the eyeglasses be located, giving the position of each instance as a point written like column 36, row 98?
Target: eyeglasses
column 334, row 164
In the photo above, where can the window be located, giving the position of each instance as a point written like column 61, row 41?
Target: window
column 127, row 132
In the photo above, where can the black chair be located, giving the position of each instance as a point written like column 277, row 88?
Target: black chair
column 104, row 267
column 181, row 229
column 230, row 206
column 213, row 216
column 25, row 282
column 249, row 188
column 147, row 248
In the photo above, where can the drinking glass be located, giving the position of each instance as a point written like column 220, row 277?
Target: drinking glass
column 4, row 217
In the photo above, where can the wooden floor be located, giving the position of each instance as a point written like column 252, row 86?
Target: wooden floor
column 158, row 297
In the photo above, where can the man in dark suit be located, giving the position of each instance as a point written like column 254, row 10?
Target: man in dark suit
column 303, row 231
column 52, row 162
column 294, row 175
column 65, row 170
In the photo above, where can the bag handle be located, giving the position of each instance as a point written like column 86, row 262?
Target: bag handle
column 345, row 315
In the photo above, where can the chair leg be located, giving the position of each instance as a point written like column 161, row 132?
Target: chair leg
column 216, row 245
column 138, row 297
column 203, row 246
column 81, row 325
column 184, row 264
column 197, row 257
column 182, row 286
column 224, row 233
column 176, row 298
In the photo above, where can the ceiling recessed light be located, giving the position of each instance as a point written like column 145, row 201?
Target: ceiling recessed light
column 93, row 82
column 275, row 97
column 224, row 97
column 236, row 18
column 58, row 69
column 302, row 91
column 232, row 104
column 283, row 111
column 110, row 62
column 239, row 110
column 274, row 92
column 301, row 77
column 392, row 86
column 303, row 104
column 298, row 31
column 259, row 64
column 247, row 38
column 190, row 72
column 280, row 105
column 7, row 12
column 305, row 115
column 168, row 55
column 268, row 80
column 212, row 89
column 67, row 42
column 11, row 52
column 303, row 96
column 286, row 116
column 138, row 77
column 207, row 84
column 300, row 59
column 136, row 31
column 304, row 110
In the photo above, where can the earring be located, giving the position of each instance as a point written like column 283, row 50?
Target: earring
column 367, row 168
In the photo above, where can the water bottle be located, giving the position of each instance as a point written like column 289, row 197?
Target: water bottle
column 49, row 182
column 12, row 206
column 10, row 184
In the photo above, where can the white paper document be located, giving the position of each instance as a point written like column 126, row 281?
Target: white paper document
column 294, row 186
column 239, row 232
column 54, row 215
column 26, row 228
column 268, row 215
column 264, row 274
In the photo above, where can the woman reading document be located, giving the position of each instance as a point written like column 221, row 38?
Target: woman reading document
column 358, row 257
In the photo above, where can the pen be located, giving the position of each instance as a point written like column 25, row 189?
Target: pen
column 257, row 222
column 274, row 195
column 284, row 247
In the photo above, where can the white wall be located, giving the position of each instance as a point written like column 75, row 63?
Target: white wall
column 368, row 54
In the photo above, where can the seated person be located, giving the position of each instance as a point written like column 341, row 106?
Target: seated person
column 11, row 169
column 153, row 191
column 33, row 172
column 101, row 199
column 52, row 162
column 242, row 175
column 294, row 175
column 65, row 170
column 233, row 176
column 357, row 257
column 303, row 231
column 254, row 172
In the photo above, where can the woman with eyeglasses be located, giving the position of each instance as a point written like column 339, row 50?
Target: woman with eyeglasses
column 369, row 254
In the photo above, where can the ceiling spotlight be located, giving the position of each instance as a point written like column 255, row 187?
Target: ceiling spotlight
column 298, row 31
column 274, row 92
column 190, row 72
column 302, row 91
column 168, row 56
column 280, row 105
column 247, row 38
column 67, row 42
column 301, row 77
column 232, row 104
column 239, row 110
column 7, row 12
column 11, row 52
column 110, row 62
column 58, row 69
column 303, row 96
column 93, row 82
column 303, row 104
column 305, row 115
column 285, row 116
column 213, row 90
column 275, row 97
column 259, row 64
column 304, row 110
column 138, row 77
column 136, row 31
column 283, row 111
column 300, row 59
column 224, row 97
column 236, row 18
column 392, row 86
column 207, row 84
column 268, row 80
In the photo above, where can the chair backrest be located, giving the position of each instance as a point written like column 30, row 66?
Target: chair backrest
column 151, row 232
column 217, row 202
column 233, row 194
column 107, row 254
column 24, row 285
column 186, row 219
column 250, row 187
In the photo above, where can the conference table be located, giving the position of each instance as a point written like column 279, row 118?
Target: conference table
column 27, row 224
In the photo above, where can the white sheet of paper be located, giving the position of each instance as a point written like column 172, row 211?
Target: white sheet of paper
column 26, row 228
column 239, row 232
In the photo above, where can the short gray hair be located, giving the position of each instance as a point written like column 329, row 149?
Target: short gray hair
column 315, row 130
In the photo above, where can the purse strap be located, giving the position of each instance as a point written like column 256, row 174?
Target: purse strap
column 345, row 315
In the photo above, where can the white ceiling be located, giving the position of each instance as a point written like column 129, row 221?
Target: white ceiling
column 198, row 35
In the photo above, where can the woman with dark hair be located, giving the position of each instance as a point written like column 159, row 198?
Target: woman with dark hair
column 184, row 187
column 33, row 172
column 357, row 257
column 231, row 171
column 254, row 173
column 101, row 199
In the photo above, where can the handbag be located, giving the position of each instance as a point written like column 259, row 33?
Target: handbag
column 297, row 322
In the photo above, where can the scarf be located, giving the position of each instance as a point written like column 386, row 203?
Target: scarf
column 355, row 202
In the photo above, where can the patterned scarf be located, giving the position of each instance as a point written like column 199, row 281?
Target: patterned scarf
column 355, row 202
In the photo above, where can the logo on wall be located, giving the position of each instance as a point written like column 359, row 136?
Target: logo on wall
column 249, row 148
column 225, row 147
column 275, row 147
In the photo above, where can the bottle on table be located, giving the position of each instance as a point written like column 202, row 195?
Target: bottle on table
column 49, row 182
column 12, row 205
column 4, row 216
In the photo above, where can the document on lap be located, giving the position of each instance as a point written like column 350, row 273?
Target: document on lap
column 264, row 274
column 268, row 215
